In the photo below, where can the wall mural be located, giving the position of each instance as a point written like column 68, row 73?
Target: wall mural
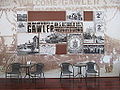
column 82, row 32
column 13, row 48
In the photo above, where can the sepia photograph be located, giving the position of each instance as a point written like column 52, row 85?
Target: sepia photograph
column 8, row 43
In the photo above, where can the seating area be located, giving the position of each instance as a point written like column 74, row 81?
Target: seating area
column 15, row 70
column 67, row 70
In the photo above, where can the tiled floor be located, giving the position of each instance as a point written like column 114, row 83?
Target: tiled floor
column 63, row 84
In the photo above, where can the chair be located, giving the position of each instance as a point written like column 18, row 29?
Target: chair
column 92, row 69
column 65, row 70
column 38, row 72
column 13, row 70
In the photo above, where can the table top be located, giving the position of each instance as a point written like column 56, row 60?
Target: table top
column 80, row 65
column 26, row 65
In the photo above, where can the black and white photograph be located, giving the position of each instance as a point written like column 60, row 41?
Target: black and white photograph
column 75, row 43
column 27, row 43
column 93, row 49
column 99, row 33
column 74, row 16
column 49, row 49
column 88, row 32
column 21, row 17
column 21, row 27
column 99, row 38
column 53, row 38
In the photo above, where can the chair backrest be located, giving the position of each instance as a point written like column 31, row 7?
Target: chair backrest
column 93, row 67
column 90, row 66
column 39, row 67
column 15, row 67
column 65, row 66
